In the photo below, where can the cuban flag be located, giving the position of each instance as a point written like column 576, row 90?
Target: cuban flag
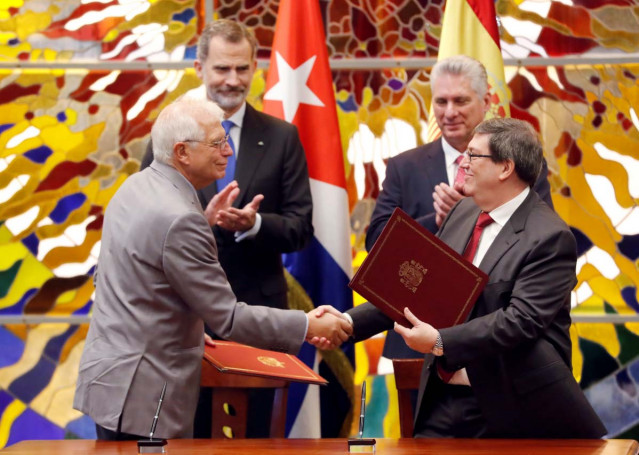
column 299, row 89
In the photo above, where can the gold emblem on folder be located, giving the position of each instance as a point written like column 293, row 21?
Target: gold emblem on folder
column 270, row 361
column 411, row 274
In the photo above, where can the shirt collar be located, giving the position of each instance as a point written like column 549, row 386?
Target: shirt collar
column 238, row 117
column 502, row 214
column 450, row 153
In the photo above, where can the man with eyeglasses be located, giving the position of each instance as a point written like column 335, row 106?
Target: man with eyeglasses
column 271, row 212
column 507, row 371
column 421, row 181
column 159, row 280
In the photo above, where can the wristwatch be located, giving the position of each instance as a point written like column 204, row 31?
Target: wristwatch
column 438, row 348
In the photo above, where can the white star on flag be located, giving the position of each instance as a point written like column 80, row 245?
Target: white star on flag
column 291, row 89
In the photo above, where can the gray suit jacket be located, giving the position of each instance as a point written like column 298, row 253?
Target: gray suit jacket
column 516, row 344
column 158, row 280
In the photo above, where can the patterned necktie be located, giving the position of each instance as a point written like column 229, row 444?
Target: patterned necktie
column 229, row 175
column 461, row 173
column 483, row 221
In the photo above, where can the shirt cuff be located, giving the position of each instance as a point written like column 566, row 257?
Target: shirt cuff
column 239, row 236
column 348, row 316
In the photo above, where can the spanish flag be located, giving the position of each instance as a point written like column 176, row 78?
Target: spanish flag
column 470, row 28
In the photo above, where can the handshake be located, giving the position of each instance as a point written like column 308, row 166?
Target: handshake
column 327, row 327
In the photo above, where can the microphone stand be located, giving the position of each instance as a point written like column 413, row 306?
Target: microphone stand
column 361, row 444
column 151, row 445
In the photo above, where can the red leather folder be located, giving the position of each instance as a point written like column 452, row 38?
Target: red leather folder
column 230, row 357
column 410, row 267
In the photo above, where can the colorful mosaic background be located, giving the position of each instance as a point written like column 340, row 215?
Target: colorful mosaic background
column 70, row 135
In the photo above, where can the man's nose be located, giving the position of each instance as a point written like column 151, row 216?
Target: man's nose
column 451, row 110
column 227, row 150
column 465, row 162
column 232, row 78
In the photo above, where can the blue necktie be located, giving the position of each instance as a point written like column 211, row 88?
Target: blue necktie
column 230, row 165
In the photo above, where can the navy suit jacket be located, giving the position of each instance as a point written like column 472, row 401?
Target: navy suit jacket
column 271, row 161
column 410, row 182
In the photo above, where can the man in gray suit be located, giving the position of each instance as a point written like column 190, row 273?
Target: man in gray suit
column 506, row 372
column 272, row 213
column 159, row 281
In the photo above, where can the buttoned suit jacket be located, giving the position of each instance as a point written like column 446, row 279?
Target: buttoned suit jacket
column 158, row 280
column 516, row 345
column 271, row 161
column 410, row 181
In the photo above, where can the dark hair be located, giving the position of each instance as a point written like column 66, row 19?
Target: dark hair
column 231, row 31
column 516, row 140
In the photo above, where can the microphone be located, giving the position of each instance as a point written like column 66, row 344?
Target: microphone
column 361, row 444
column 154, row 445
column 362, row 411
column 157, row 412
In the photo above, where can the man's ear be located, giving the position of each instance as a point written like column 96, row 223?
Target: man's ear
column 507, row 169
column 486, row 102
column 181, row 153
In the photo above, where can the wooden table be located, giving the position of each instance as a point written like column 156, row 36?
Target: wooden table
column 335, row 446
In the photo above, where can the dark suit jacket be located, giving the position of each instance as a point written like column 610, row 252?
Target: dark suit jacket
column 409, row 184
column 516, row 344
column 271, row 162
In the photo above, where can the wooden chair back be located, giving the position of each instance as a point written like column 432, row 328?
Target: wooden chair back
column 407, row 374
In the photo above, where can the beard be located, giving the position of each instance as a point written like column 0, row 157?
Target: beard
column 228, row 99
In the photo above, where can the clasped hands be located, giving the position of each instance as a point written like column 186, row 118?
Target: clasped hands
column 327, row 327
column 420, row 337
column 220, row 210
column 444, row 198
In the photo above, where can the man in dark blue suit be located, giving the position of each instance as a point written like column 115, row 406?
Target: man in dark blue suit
column 421, row 181
column 270, row 212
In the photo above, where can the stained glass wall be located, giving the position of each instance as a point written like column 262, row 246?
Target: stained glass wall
column 82, row 81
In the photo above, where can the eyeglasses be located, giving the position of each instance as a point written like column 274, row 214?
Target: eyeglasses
column 471, row 155
column 216, row 144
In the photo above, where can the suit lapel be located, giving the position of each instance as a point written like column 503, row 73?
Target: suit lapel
column 253, row 146
column 504, row 241
column 465, row 217
column 435, row 164
column 509, row 235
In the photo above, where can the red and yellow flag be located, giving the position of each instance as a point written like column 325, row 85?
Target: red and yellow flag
column 470, row 28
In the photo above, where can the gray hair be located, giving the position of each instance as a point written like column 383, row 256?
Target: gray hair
column 516, row 140
column 462, row 65
column 231, row 31
column 180, row 121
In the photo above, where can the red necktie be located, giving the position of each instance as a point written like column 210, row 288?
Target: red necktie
column 461, row 173
column 469, row 253
column 483, row 221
